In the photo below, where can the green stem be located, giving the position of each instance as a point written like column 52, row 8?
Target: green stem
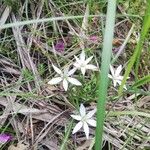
column 64, row 143
column 106, row 57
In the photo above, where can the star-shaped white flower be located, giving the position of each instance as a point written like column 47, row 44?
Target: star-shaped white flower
column 84, row 120
column 82, row 63
column 64, row 77
column 115, row 75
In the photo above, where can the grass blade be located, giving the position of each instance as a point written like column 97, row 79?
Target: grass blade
column 27, row 22
column 106, row 57
column 63, row 145
column 142, row 81
column 132, row 113
column 145, row 29
column 135, row 57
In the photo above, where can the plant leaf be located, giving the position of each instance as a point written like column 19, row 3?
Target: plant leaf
column 136, row 55
column 142, row 81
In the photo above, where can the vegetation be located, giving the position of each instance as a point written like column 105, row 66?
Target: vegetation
column 74, row 74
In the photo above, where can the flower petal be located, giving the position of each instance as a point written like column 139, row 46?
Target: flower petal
column 77, row 65
column 91, row 122
column 77, row 127
column 82, row 110
column 88, row 60
column 74, row 81
column 5, row 138
column 83, row 70
column 92, row 67
column 120, row 77
column 115, row 83
column 76, row 117
column 82, row 56
column 118, row 81
column 72, row 71
column 110, row 76
column 118, row 70
column 65, row 84
column 55, row 80
column 77, row 59
column 60, row 46
column 94, row 39
column 57, row 69
column 112, row 70
column 91, row 113
column 86, row 129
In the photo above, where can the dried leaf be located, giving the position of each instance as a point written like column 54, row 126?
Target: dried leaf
column 20, row 146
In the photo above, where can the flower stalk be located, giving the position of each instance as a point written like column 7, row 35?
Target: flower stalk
column 103, row 84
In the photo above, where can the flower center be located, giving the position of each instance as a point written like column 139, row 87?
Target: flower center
column 83, row 64
column 64, row 76
column 84, row 119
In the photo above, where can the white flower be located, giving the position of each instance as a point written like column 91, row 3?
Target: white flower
column 64, row 77
column 82, row 63
column 115, row 75
column 84, row 119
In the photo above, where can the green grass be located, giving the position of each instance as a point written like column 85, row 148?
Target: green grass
column 122, row 115
column 105, row 63
column 136, row 55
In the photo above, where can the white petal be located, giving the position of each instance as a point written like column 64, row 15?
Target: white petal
column 55, row 80
column 77, row 127
column 65, row 84
column 118, row 81
column 82, row 56
column 77, row 59
column 91, row 122
column 92, row 67
column 86, row 129
column 77, row 65
column 57, row 69
column 74, row 81
column 118, row 70
column 112, row 70
column 110, row 76
column 120, row 77
column 83, row 70
column 72, row 71
column 82, row 110
column 115, row 83
column 76, row 117
column 91, row 113
column 88, row 60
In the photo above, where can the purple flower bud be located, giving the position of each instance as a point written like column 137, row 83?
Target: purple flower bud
column 115, row 49
column 60, row 46
column 94, row 38
column 5, row 138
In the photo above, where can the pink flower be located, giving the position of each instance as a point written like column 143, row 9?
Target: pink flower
column 115, row 49
column 94, row 39
column 60, row 46
column 5, row 138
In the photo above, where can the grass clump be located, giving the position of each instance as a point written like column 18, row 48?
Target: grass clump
column 42, row 41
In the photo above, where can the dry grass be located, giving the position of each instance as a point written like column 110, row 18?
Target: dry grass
column 39, row 114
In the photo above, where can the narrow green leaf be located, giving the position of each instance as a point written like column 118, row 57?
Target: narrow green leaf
column 132, row 113
column 27, row 22
column 63, row 145
column 106, row 57
column 136, row 55
column 145, row 29
column 142, row 81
